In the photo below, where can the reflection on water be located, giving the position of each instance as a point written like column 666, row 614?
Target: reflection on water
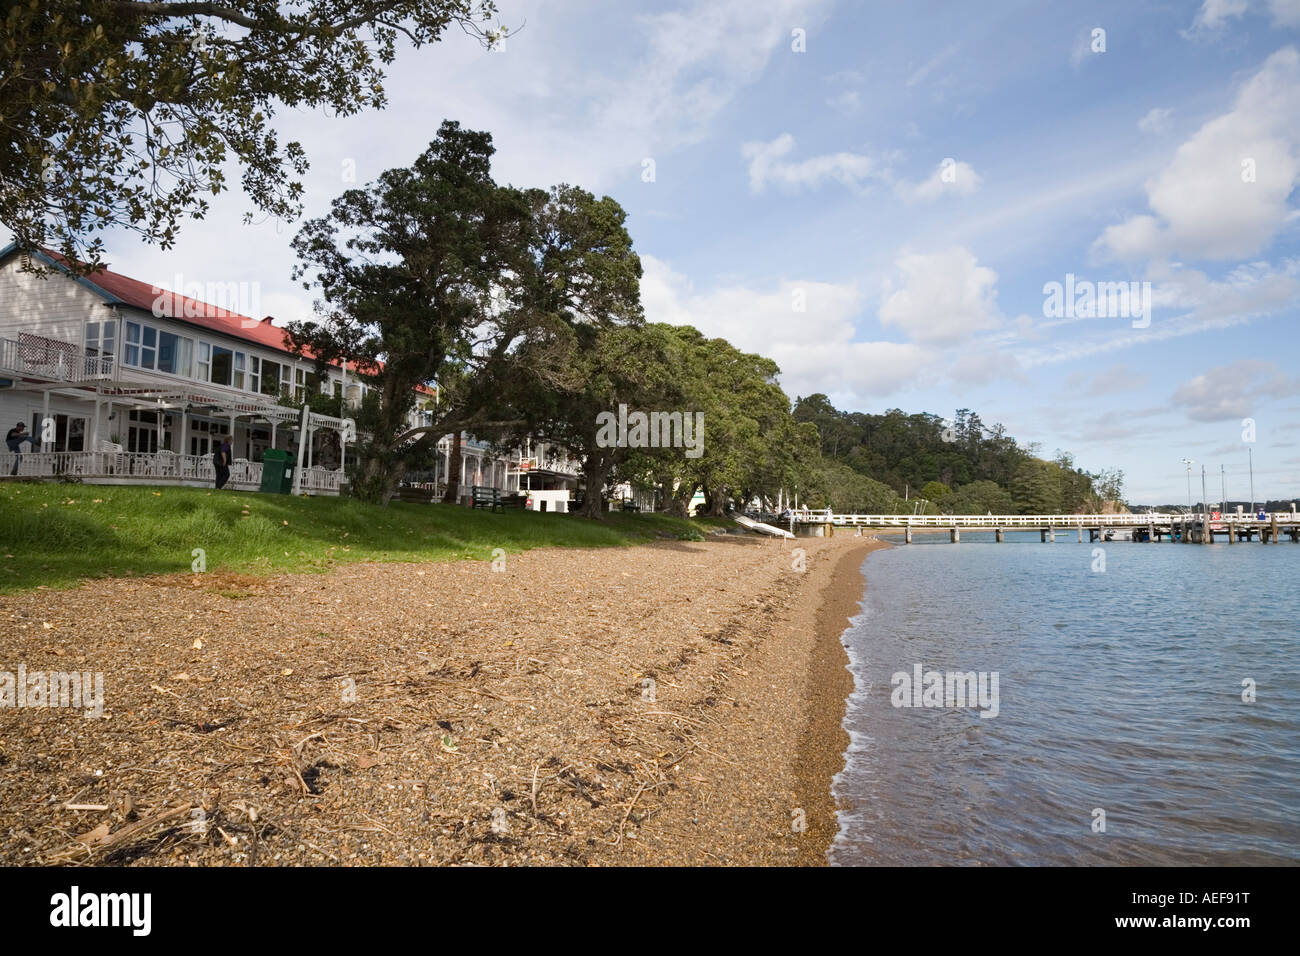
column 1120, row 691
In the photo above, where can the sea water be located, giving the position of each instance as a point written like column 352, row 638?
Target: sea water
column 1147, row 711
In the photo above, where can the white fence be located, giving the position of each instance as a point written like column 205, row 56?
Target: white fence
column 160, row 468
column 1020, row 521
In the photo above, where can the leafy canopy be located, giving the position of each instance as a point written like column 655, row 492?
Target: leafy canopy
column 124, row 113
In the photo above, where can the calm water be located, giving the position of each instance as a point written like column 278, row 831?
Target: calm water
column 1119, row 691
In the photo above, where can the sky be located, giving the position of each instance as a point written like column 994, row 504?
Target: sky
column 878, row 196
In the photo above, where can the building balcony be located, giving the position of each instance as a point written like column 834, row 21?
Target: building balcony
column 34, row 356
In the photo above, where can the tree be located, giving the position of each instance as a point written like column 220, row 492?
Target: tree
column 628, row 364
column 555, row 362
column 124, row 113
column 747, row 416
column 407, row 267
column 843, row 489
column 1036, row 488
column 1108, row 485
column 980, row 497
column 934, row 491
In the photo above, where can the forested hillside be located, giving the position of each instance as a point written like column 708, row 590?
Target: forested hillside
column 875, row 462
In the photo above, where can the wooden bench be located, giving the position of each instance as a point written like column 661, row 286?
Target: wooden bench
column 484, row 497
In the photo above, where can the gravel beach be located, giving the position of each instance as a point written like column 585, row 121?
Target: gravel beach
column 666, row 704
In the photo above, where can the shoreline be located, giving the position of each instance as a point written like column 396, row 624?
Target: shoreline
column 825, row 742
column 496, row 719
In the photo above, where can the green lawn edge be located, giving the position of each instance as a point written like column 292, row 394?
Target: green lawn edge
column 60, row 535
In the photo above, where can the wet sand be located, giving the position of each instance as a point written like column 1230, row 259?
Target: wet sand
column 676, row 703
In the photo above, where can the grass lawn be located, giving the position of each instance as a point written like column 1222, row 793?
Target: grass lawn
column 58, row 534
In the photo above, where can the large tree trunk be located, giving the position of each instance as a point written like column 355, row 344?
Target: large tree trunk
column 679, row 503
column 594, row 471
column 377, row 475
column 718, row 503
column 452, row 495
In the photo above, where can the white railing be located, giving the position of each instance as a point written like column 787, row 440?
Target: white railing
column 157, row 468
column 1026, row 521
column 320, row 480
column 51, row 359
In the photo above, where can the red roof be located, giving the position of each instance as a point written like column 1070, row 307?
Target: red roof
column 167, row 304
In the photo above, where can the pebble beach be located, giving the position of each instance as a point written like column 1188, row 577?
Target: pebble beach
column 676, row 703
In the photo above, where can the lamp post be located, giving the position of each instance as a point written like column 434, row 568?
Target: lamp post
column 1188, row 462
column 1205, row 514
column 1250, row 452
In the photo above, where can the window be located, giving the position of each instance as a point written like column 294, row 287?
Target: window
column 141, row 345
column 270, row 384
column 101, row 339
column 147, row 347
column 175, row 354
column 69, row 432
column 142, row 431
column 205, row 436
column 204, row 369
column 305, row 379
column 222, row 365
column 254, row 374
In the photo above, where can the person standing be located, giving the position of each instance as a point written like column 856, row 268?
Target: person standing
column 14, row 439
column 221, row 459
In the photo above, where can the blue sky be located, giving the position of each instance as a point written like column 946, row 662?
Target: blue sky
column 818, row 176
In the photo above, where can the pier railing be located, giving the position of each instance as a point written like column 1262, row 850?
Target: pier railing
column 1006, row 522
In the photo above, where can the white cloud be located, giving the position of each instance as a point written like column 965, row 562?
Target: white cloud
column 848, row 102
column 1214, row 13
column 1248, row 290
column 1155, row 121
column 926, row 68
column 1286, row 13
column 816, row 349
column 1204, row 203
column 945, row 297
column 1117, row 378
column 950, row 178
column 768, row 164
column 1232, row 391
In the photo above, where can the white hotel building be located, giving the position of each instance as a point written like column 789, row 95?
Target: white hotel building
column 135, row 385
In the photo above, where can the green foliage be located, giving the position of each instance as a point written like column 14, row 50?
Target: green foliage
column 407, row 267
column 126, row 114
column 842, row 489
column 934, row 491
column 978, row 498
column 962, row 467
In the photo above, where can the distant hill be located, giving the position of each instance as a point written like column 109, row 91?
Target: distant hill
column 957, row 467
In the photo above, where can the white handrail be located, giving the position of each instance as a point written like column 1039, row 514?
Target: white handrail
column 1029, row 521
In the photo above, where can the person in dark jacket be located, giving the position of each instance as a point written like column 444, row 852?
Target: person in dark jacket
column 221, row 459
column 14, row 439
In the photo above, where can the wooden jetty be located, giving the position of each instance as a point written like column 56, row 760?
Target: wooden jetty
column 1267, row 528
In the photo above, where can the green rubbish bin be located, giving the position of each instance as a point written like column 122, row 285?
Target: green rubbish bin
column 277, row 472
